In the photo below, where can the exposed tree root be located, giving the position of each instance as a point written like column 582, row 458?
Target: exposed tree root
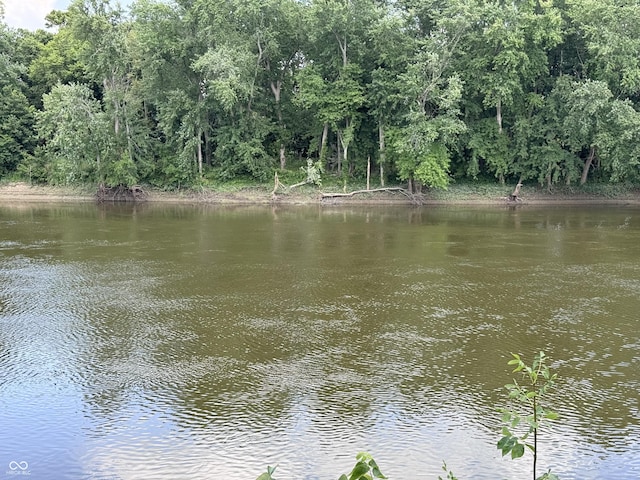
column 120, row 193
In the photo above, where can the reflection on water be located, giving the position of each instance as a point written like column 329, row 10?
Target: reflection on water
column 201, row 342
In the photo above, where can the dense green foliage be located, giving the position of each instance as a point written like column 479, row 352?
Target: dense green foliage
column 187, row 92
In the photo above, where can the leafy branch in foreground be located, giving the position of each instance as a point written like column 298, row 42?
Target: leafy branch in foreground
column 450, row 475
column 538, row 380
column 365, row 468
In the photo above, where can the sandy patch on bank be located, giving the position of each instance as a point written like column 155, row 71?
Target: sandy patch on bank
column 23, row 192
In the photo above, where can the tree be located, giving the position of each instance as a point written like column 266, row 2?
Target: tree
column 433, row 90
column 623, row 155
column 58, row 59
column 16, row 129
column 104, row 32
column 16, row 125
column 273, row 28
column 585, row 125
column 507, row 55
column 75, row 131
column 611, row 30
column 392, row 43
column 331, row 81
column 197, row 71
column 541, row 146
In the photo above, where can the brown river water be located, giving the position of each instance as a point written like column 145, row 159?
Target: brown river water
column 201, row 342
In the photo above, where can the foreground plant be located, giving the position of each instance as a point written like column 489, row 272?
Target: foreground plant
column 268, row 475
column 538, row 380
column 450, row 475
column 365, row 468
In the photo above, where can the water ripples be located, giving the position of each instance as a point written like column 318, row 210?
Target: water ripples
column 149, row 358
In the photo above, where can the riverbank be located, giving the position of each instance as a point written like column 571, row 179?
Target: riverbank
column 455, row 195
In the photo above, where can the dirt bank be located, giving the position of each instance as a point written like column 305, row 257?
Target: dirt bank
column 23, row 192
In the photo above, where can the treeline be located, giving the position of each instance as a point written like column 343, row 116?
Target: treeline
column 185, row 92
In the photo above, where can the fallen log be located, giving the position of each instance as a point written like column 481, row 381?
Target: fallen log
column 357, row 192
column 415, row 199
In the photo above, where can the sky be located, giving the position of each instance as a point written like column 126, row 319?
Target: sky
column 30, row 14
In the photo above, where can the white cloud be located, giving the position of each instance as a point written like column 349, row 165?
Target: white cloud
column 30, row 14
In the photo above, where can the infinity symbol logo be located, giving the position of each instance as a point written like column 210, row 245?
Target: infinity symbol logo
column 13, row 465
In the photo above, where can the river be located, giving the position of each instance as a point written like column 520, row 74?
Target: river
column 191, row 342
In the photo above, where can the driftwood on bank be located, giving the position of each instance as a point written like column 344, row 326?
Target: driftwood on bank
column 515, row 195
column 356, row 192
column 278, row 185
column 414, row 198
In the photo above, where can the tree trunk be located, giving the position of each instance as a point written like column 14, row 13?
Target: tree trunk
column 109, row 86
column 255, row 75
column 587, row 165
column 339, row 152
column 342, row 43
column 382, row 151
column 207, row 150
column 200, row 152
column 323, row 142
column 276, row 89
column 369, row 172
column 129, row 139
column 344, row 143
column 499, row 115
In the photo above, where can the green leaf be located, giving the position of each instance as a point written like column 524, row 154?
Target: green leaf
column 377, row 473
column 363, row 457
column 506, row 444
column 503, row 442
column 548, row 476
column 359, row 471
column 517, row 451
column 268, row 474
